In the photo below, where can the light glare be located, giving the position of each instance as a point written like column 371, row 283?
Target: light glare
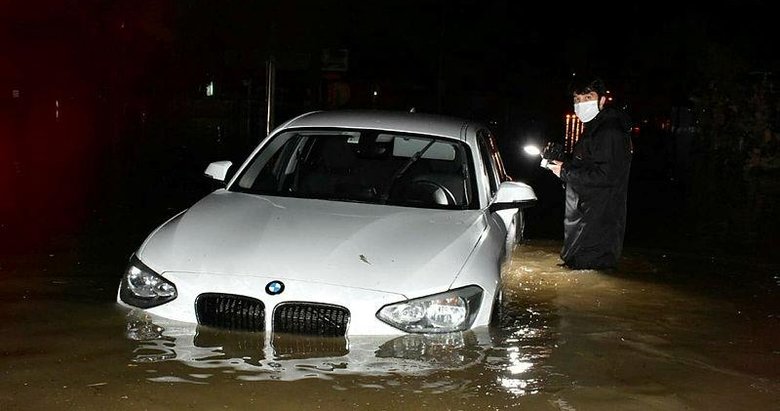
column 532, row 150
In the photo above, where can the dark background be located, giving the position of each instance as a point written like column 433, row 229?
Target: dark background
column 106, row 127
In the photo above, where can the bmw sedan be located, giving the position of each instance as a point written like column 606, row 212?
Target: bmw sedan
column 341, row 223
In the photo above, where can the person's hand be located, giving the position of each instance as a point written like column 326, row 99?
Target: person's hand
column 555, row 168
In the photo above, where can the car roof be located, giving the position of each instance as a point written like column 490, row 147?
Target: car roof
column 409, row 122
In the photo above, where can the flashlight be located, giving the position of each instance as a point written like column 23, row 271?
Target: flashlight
column 552, row 152
column 532, row 150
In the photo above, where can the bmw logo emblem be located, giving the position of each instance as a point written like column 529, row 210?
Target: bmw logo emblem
column 274, row 287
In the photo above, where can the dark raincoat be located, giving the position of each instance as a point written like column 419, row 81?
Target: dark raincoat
column 596, row 180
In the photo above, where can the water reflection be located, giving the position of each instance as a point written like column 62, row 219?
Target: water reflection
column 292, row 347
column 528, row 333
column 513, row 353
column 290, row 357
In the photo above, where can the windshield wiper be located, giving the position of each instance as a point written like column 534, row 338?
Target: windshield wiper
column 403, row 169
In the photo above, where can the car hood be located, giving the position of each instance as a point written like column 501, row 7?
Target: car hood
column 409, row 251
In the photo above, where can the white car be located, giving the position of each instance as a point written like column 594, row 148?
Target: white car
column 341, row 223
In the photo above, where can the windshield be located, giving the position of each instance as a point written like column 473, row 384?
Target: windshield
column 370, row 166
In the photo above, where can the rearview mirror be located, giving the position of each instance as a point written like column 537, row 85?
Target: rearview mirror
column 513, row 194
column 218, row 170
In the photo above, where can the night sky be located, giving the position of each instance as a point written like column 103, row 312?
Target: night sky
column 99, row 96
column 650, row 51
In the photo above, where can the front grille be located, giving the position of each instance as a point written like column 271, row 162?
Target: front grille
column 311, row 319
column 229, row 311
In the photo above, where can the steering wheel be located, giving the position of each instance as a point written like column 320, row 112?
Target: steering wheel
column 431, row 190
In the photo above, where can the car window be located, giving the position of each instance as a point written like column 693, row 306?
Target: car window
column 497, row 160
column 369, row 166
column 489, row 161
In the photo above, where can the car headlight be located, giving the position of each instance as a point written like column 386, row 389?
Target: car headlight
column 142, row 287
column 453, row 310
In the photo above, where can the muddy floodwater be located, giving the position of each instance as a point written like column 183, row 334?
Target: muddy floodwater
column 665, row 332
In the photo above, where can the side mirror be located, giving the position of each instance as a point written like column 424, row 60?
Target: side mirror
column 218, row 170
column 513, row 194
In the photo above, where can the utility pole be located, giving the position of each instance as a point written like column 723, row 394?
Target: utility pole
column 270, row 93
column 270, row 79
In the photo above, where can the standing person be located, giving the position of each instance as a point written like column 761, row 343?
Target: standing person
column 596, row 180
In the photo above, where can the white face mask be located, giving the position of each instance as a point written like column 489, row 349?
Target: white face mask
column 587, row 110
